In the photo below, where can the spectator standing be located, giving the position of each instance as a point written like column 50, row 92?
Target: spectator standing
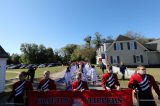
column 102, row 67
column 31, row 72
column 122, row 70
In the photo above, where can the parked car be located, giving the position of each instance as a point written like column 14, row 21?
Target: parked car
column 14, row 66
column 23, row 66
column 41, row 66
column 51, row 65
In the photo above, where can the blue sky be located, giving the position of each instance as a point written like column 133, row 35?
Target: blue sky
column 55, row 23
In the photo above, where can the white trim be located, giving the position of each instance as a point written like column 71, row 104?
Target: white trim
column 80, row 85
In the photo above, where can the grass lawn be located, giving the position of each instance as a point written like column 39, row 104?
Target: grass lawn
column 12, row 73
column 39, row 72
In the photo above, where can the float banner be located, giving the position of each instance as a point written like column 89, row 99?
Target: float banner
column 85, row 98
column 107, row 98
column 50, row 98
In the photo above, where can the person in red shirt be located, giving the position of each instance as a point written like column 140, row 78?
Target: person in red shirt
column 142, row 84
column 110, row 80
column 20, row 89
column 46, row 83
column 79, row 85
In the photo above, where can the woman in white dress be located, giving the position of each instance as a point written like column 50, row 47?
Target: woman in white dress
column 93, row 75
column 68, row 77
column 84, row 73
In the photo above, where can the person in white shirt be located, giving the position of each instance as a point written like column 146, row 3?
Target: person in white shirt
column 73, row 68
column 68, row 77
column 93, row 75
column 84, row 73
column 88, row 68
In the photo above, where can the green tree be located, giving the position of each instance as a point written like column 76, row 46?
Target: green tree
column 15, row 58
column 88, row 54
column 88, row 39
column 97, row 41
column 49, row 55
column 29, row 52
column 56, row 56
column 76, row 55
column 42, row 57
column 67, row 51
column 33, row 53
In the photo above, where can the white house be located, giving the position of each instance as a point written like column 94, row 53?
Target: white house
column 130, row 52
column 3, row 61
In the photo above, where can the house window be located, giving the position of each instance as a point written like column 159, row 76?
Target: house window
column 103, row 56
column 132, row 45
column 114, row 59
column 138, row 58
column 118, row 46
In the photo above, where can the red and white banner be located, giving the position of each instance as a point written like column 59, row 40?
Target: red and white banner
column 85, row 98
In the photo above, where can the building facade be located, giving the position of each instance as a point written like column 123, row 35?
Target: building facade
column 3, row 61
column 128, row 51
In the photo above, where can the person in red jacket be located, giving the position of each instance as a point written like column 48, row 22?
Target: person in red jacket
column 79, row 85
column 46, row 83
column 20, row 89
column 143, row 83
column 110, row 80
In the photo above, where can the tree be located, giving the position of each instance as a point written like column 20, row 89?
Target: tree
column 41, row 56
column 68, row 50
column 140, row 38
column 29, row 52
column 88, row 41
column 97, row 40
column 15, row 58
column 49, row 55
column 33, row 53
column 57, row 56
column 88, row 54
column 76, row 55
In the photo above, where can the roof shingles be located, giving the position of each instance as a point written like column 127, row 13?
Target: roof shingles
column 123, row 38
column 3, row 54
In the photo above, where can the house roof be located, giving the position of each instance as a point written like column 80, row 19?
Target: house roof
column 154, row 42
column 123, row 38
column 109, row 41
column 154, row 45
column 151, row 47
column 3, row 54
